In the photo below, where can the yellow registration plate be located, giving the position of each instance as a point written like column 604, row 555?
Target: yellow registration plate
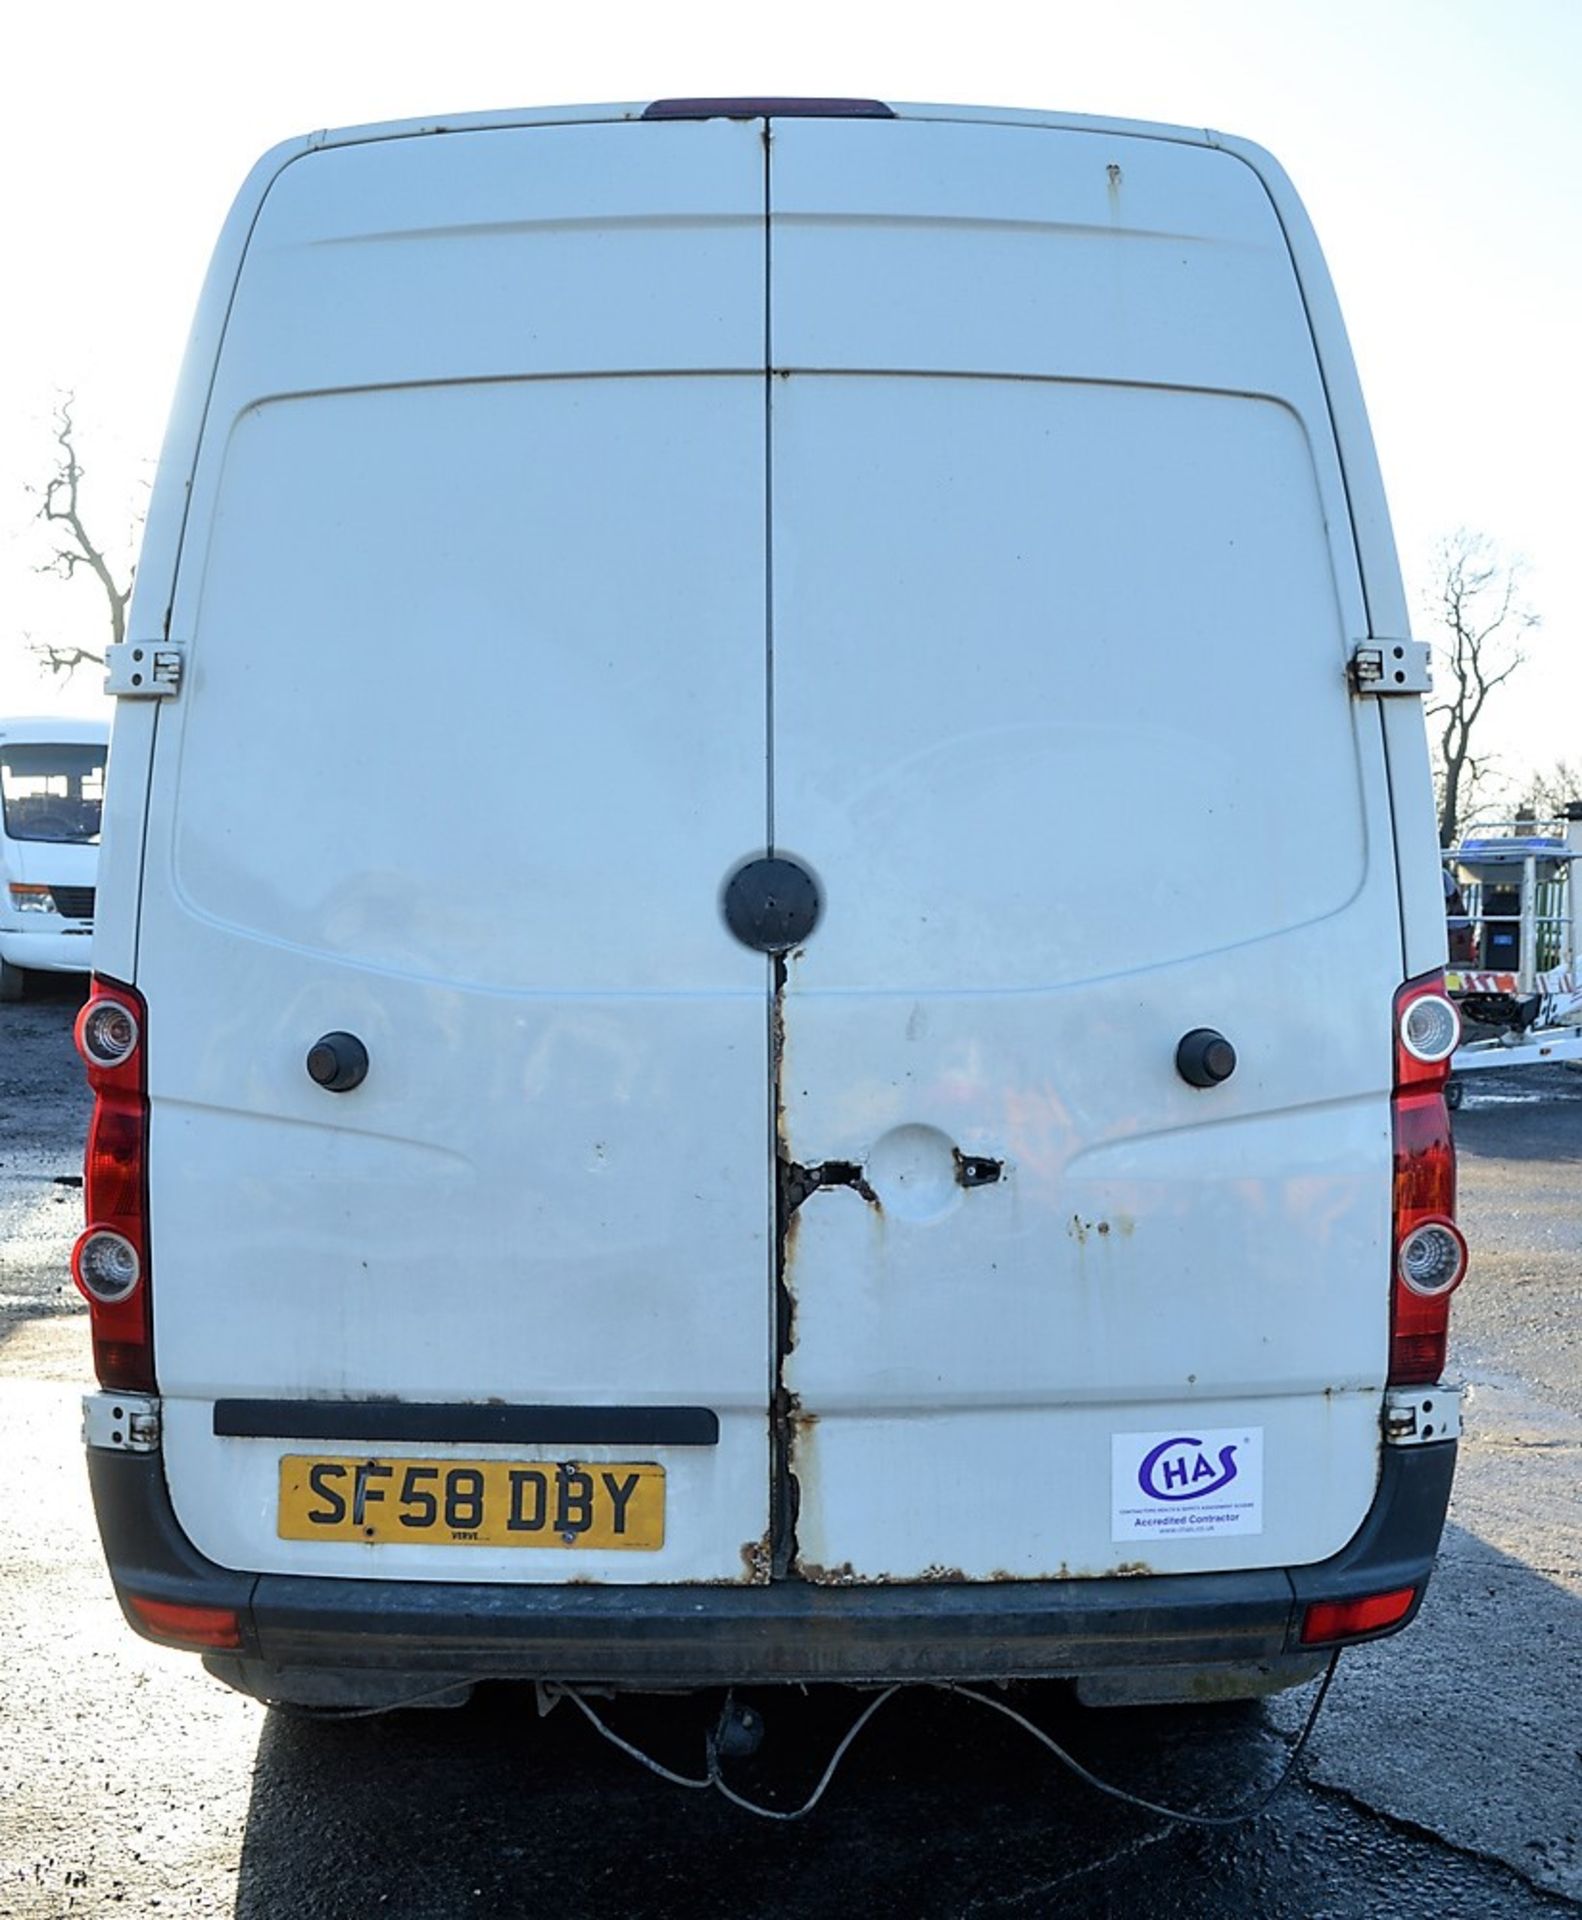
column 472, row 1503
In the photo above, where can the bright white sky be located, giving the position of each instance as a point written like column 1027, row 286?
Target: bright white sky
column 1437, row 143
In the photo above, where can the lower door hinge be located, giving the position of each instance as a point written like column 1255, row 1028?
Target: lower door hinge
column 121, row 1422
column 144, row 669
column 1420, row 1416
column 1391, row 666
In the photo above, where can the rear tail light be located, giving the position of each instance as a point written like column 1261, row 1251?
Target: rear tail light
column 183, row 1626
column 1327, row 1621
column 106, row 1032
column 1430, row 1256
column 105, row 1265
column 1430, row 1027
column 110, row 1260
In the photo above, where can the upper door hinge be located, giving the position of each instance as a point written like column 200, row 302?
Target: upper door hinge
column 144, row 669
column 1391, row 666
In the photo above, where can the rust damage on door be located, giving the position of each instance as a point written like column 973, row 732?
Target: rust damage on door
column 795, row 1184
column 789, row 1195
column 845, row 1576
column 794, row 1428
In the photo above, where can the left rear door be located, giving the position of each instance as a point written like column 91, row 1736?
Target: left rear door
column 473, row 730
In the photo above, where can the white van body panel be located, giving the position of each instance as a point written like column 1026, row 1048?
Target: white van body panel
column 1413, row 820
column 954, row 503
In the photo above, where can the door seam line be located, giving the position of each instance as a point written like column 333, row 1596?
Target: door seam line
column 782, row 1533
column 769, row 501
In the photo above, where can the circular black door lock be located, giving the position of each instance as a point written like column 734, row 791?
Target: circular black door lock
column 338, row 1062
column 771, row 904
column 1204, row 1057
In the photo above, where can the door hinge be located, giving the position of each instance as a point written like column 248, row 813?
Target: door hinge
column 1421, row 1416
column 144, row 669
column 121, row 1422
column 1392, row 666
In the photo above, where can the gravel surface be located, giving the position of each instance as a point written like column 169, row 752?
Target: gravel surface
column 43, row 1116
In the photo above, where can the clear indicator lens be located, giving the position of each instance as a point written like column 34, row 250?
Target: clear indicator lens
column 1432, row 1258
column 109, row 1033
column 1430, row 1028
column 107, row 1266
column 32, row 899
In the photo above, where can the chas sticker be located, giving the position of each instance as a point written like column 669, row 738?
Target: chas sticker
column 1185, row 1483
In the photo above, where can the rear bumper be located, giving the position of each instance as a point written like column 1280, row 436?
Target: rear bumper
column 379, row 1641
column 48, row 951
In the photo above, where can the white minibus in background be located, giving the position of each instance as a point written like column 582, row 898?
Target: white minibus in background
column 51, row 798
column 769, row 998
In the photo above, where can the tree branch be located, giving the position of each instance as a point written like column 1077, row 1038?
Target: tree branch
column 1477, row 605
column 64, row 661
column 60, row 506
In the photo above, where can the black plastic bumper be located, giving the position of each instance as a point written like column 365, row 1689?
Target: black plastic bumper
column 412, row 1632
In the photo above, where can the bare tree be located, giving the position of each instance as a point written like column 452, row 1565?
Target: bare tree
column 1547, row 794
column 60, row 508
column 1477, row 603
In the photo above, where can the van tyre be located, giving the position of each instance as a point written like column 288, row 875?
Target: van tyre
column 12, row 981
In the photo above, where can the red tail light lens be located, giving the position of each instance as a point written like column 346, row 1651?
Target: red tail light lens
column 1429, row 1256
column 1327, row 1621
column 110, row 1260
column 182, row 1626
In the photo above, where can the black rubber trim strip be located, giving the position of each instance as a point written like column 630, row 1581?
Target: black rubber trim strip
column 466, row 1422
column 785, row 1631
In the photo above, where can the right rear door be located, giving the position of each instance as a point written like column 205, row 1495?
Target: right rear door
column 1062, row 595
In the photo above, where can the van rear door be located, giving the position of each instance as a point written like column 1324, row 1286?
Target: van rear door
column 1063, row 587
column 473, row 584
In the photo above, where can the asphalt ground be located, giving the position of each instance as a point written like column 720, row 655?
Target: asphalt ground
column 1444, row 1777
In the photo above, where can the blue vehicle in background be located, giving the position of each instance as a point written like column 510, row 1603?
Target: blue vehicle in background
column 1511, row 931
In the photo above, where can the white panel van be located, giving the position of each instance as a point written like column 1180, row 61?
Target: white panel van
column 51, row 799
column 769, row 1000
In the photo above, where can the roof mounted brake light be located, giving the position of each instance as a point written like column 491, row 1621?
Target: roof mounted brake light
column 751, row 106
